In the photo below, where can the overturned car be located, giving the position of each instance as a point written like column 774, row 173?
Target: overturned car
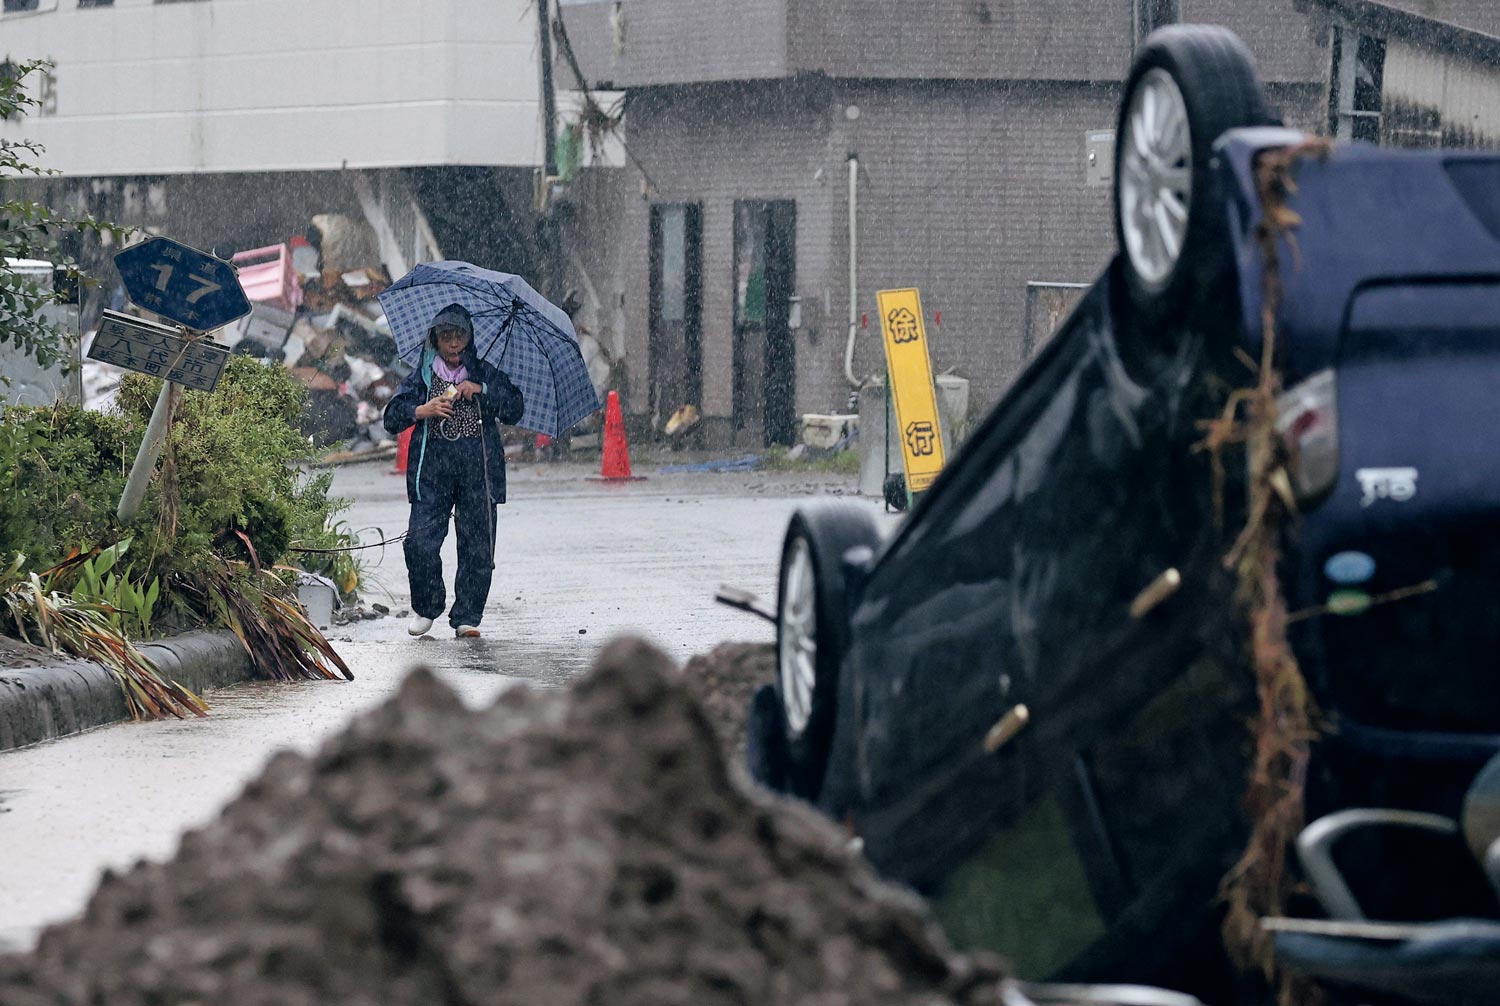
column 1022, row 703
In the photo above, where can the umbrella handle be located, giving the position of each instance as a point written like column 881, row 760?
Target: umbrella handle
column 484, row 460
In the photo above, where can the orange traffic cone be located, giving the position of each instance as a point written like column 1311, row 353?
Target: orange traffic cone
column 616, row 462
column 403, row 449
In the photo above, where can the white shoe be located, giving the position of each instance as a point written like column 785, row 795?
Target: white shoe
column 466, row 632
column 419, row 625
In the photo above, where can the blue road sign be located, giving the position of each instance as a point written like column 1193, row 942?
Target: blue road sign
column 182, row 284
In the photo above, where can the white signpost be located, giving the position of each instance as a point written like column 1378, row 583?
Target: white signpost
column 149, row 348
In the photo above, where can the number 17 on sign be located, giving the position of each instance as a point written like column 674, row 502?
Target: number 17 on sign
column 206, row 286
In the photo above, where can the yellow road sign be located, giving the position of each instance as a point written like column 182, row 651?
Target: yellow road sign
column 912, row 390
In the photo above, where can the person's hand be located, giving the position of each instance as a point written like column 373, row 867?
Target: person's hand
column 441, row 408
column 468, row 389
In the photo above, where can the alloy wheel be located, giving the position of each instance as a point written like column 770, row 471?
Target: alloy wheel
column 1156, row 177
column 797, row 637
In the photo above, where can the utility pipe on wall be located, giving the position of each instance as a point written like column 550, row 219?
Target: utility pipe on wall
column 853, row 271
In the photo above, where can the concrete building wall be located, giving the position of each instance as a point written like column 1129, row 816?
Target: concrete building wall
column 281, row 85
column 972, row 191
column 966, row 191
column 713, row 145
column 649, row 42
column 1479, row 15
column 636, row 42
column 1302, row 106
column 972, row 184
column 1436, row 99
column 1285, row 43
column 964, row 39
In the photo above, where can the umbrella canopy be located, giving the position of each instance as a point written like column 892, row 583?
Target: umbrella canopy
column 515, row 328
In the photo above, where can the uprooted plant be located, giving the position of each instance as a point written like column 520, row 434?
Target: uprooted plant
column 35, row 610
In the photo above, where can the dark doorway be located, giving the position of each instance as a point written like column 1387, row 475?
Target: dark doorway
column 765, row 358
column 675, row 358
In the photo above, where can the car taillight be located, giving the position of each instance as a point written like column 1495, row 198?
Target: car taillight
column 1308, row 422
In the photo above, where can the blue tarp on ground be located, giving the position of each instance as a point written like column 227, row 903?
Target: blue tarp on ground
column 748, row 463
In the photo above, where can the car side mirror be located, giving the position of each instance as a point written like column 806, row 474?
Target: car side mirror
column 1481, row 820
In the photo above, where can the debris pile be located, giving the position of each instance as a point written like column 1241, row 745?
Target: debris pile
column 317, row 314
column 313, row 310
column 584, row 846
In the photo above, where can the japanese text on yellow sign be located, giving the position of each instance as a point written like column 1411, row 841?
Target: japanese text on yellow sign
column 912, row 390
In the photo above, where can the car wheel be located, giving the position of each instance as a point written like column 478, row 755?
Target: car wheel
column 894, row 492
column 765, row 739
column 1187, row 85
column 812, row 632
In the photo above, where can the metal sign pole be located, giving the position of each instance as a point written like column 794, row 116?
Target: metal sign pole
column 145, row 458
column 184, row 285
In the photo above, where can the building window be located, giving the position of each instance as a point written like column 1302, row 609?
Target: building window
column 16, row 6
column 96, row 3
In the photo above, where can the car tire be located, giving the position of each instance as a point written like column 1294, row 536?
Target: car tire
column 766, row 754
column 894, row 492
column 812, row 633
column 1187, row 85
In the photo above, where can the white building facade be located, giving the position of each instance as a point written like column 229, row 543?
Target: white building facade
column 146, row 87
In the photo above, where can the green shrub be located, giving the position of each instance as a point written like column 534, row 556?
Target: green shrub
column 61, row 473
column 236, row 453
column 231, row 466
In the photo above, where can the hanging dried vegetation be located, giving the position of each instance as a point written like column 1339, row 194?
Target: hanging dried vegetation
column 1285, row 725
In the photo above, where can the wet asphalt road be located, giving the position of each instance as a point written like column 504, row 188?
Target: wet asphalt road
column 579, row 562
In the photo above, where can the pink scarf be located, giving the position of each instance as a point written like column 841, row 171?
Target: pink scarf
column 453, row 375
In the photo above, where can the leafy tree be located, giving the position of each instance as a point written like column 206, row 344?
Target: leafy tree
column 30, row 230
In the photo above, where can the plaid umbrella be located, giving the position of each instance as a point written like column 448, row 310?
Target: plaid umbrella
column 515, row 328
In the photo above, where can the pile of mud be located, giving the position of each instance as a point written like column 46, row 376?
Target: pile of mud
column 585, row 846
column 723, row 680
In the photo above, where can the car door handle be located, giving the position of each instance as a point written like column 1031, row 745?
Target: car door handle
column 1005, row 730
column 1157, row 591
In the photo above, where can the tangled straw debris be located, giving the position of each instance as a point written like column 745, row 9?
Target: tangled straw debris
column 1259, row 883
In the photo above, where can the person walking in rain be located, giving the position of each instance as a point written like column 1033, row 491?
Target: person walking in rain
column 456, row 467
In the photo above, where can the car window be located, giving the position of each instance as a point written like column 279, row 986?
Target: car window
column 1169, row 782
column 1413, row 320
column 1024, row 895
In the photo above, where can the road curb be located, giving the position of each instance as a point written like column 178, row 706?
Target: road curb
column 70, row 695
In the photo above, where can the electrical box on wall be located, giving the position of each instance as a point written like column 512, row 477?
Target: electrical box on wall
column 1099, row 157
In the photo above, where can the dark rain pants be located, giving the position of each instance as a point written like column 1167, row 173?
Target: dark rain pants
column 459, row 492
